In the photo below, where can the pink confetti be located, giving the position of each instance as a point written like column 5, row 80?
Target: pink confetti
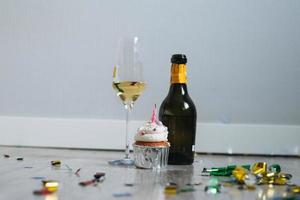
column 77, row 172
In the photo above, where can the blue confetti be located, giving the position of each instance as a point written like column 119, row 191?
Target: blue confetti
column 125, row 194
column 38, row 177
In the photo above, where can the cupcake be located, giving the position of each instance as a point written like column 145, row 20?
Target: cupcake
column 151, row 147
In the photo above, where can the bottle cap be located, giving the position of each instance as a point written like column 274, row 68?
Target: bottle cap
column 179, row 59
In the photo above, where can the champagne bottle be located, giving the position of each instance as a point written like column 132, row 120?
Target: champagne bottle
column 178, row 113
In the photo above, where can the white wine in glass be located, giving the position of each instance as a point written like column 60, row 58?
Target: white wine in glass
column 128, row 83
column 129, row 91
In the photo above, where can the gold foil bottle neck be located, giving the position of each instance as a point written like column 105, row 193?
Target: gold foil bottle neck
column 178, row 73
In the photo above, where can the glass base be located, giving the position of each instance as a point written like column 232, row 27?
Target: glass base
column 122, row 162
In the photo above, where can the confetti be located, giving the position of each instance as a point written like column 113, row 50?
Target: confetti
column 171, row 189
column 287, row 176
column 294, row 189
column 213, row 186
column 259, row 168
column 172, row 183
column 187, row 188
column 245, row 177
column 86, row 183
column 275, row 168
column 197, row 183
column 77, row 172
column 239, row 174
column 50, row 185
column 125, row 194
column 221, row 171
column 250, row 187
column 55, row 163
column 129, row 184
column 38, row 177
column 43, row 191
column 250, row 179
column 98, row 177
column 212, row 189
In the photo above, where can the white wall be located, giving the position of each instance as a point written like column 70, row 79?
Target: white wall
column 56, row 57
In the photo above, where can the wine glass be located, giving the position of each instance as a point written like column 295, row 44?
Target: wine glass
column 128, row 83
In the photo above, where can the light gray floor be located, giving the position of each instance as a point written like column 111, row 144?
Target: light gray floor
column 16, row 177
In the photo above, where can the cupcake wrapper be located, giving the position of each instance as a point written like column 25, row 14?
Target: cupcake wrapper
column 150, row 157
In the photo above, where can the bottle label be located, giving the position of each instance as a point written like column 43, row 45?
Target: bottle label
column 178, row 73
column 193, row 148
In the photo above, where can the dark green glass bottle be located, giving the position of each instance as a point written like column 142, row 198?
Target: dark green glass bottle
column 178, row 113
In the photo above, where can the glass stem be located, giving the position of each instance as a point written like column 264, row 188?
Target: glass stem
column 128, row 109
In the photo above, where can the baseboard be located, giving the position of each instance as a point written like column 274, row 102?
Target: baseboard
column 109, row 134
column 249, row 139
